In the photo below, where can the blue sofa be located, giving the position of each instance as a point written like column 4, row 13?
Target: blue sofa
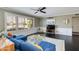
column 22, row 45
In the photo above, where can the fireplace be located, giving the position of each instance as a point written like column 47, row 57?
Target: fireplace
column 50, row 29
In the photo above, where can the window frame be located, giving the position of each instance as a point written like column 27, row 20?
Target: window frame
column 16, row 17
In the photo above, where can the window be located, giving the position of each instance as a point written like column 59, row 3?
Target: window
column 20, row 22
column 24, row 23
column 28, row 23
column 11, row 23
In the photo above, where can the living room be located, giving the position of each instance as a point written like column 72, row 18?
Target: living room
column 54, row 24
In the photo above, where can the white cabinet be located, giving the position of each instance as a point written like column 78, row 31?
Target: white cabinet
column 64, row 31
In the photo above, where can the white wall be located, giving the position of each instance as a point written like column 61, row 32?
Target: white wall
column 63, row 25
column 43, row 22
column 1, row 20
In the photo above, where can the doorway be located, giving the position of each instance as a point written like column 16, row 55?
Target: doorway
column 75, row 25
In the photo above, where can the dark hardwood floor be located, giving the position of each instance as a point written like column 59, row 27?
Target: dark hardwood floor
column 71, row 42
column 68, row 40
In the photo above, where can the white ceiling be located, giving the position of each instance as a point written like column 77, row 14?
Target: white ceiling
column 50, row 11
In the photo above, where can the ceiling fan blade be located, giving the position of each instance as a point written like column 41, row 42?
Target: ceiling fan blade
column 43, row 8
column 35, row 12
column 43, row 11
column 33, row 9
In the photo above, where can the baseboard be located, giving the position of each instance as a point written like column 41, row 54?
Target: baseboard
column 75, row 33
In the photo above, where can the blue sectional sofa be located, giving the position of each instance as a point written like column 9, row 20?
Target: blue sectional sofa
column 21, row 44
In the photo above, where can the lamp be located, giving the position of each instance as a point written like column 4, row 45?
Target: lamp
column 66, row 21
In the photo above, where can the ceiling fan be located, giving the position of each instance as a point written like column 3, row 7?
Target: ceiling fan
column 41, row 9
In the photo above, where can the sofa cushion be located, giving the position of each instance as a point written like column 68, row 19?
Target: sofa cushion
column 28, row 47
column 47, row 46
